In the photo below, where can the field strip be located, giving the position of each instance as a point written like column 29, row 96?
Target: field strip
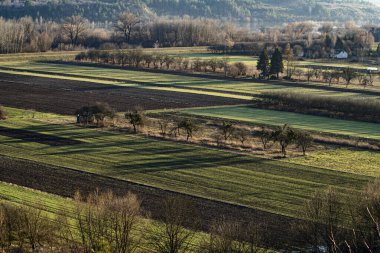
column 64, row 182
column 209, row 92
column 53, row 76
column 169, row 79
column 201, row 92
column 277, row 118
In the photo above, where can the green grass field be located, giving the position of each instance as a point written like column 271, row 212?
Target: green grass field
column 346, row 160
column 307, row 122
column 49, row 203
column 269, row 185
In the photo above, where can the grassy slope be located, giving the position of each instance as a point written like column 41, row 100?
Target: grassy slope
column 358, row 162
column 273, row 186
column 53, row 205
column 308, row 122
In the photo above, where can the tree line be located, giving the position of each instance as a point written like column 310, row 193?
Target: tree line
column 335, row 107
column 137, row 58
column 76, row 32
column 260, row 13
column 308, row 39
column 104, row 222
column 342, row 224
column 130, row 30
column 282, row 60
column 227, row 131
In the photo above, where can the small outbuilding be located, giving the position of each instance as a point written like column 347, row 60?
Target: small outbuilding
column 342, row 55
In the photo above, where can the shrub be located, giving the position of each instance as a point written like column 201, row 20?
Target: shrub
column 89, row 114
column 136, row 119
column 3, row 113
column 284, row 136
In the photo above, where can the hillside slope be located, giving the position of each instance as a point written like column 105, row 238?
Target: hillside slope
column 258, row 11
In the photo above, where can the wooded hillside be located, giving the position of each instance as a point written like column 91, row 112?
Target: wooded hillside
column 263, row 12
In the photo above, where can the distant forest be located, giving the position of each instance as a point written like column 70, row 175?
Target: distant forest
column 260, row 12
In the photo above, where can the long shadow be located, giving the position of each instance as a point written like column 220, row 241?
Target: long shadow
column 31, row 136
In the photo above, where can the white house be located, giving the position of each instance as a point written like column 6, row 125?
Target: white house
column 342, row 55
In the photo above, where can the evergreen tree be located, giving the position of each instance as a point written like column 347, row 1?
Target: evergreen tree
column 378, row 50
column 339, row 46
column 263, row 63
column 328, row 42
column 276, row 64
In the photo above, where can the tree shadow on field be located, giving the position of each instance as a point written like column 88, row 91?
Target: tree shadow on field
column 32, row 136
column 159, row 164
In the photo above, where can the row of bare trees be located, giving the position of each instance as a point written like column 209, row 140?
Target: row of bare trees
column 340, row 223
column 104, row 222
column 28, row 35
column 226, row 131
column 137, row 58
column 335, row 75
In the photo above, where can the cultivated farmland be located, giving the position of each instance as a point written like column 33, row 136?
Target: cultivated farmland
column 43, row 149
column 273, row 186
column 190, row 84
column 41, row 94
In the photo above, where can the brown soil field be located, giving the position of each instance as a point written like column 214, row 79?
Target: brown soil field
column 65, row 182
column 66, row 96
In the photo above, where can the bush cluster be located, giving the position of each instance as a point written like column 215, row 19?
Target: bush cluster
column 338, row 107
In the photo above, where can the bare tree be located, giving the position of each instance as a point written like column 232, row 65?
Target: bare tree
column 242, row 135
column 323, row 215
column 303, row 140
column 227, row 129
column 26, row 227
column 37, row 227
column 75, row 28
column 106, row 223
column 299, row 73
column 265, row 137
column 164, row 127
column 172, row 236
column 125, row 25
column 309, row 74
column 284, row 136
column 348, row 75
column 135, row 118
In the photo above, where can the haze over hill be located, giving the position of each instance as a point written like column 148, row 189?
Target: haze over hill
column 259, row 12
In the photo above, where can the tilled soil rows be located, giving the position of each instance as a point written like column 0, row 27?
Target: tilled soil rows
column 65, row 182
column 66, row 96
